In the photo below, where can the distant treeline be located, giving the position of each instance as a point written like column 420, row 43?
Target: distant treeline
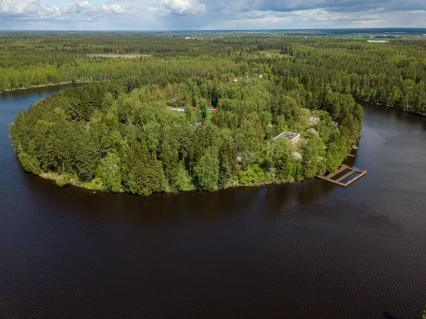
column 391, row 73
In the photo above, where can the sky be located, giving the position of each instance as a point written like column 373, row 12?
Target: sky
column 209, row 15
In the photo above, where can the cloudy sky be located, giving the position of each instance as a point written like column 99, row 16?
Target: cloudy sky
column 208, row 15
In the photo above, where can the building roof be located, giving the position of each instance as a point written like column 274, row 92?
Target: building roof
column 289, row 135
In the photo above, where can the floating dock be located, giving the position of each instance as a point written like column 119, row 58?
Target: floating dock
column 344, row 176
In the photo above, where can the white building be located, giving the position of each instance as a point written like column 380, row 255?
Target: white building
column 377, row 41
column 291, row 136
column 177, row 109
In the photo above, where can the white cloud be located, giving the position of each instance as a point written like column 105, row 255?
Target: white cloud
column 77, row 9
column 184, row 7
column 321, row 18
column 85, row 7
column 208, row 14
column 27, row 7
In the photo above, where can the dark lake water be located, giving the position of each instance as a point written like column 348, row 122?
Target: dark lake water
column 308, row 250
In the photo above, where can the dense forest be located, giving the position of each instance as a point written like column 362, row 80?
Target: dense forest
column 391, row 73
column 173, row 112
column 210, row 130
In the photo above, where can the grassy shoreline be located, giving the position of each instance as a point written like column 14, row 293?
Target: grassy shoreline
column 96, row 185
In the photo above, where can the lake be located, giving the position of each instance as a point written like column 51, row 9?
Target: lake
column 306, row 250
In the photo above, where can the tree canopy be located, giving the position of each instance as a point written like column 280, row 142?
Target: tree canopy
column 199, row 123
column 164, row 112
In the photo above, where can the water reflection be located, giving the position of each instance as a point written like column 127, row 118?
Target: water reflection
column 279, row 251
column 272, row 200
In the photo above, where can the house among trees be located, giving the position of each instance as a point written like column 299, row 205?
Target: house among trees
column 294, row 138
column 193, row 110
column 377, row 41
column 177, row 109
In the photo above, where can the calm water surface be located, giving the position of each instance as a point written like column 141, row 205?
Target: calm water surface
column 308, row 250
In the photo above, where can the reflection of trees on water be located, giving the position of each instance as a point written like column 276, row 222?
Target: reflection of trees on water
column 282, row 197
column 270, row 200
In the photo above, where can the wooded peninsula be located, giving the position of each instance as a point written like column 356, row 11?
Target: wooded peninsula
column 206, row 111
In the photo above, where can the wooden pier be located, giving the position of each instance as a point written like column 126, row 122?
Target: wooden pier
column 344, row 176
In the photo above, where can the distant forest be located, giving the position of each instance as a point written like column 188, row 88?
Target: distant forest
column 391, row 73
column 168, row 113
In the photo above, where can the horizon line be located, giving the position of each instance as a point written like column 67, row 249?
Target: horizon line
column 211, row 30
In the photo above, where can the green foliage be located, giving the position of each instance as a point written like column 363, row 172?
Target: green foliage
column 142, row 171
column 183, row 181
column 63, row 180
column 206, row 171
column 124, row 132
column 94, row 184
column 86, row 155
column 313, row 153
column 390, row 74
column 252, row 175
column 282, row 161
column 337, row 150
column 109, row 172
column 29, row 163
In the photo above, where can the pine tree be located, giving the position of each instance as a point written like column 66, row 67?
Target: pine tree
column 207, row 170
column 143, row 172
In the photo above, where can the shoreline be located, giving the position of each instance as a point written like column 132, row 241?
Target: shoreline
column 94, row 186
column 392, row 108
column 41, row 86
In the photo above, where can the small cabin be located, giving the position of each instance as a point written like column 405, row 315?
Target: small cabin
column 294, row 138
column 177, row 109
